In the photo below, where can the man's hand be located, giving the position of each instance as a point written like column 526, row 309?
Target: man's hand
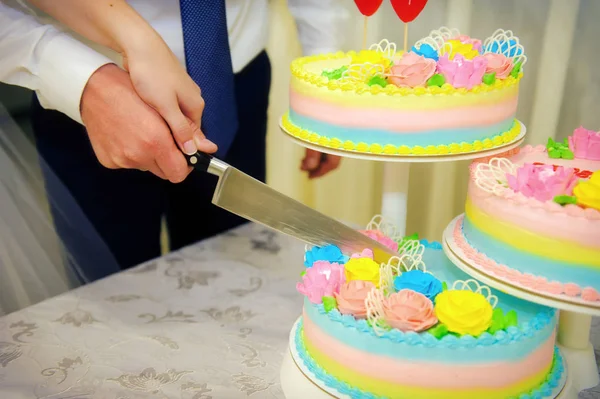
column 318, row 164
column 125, row 132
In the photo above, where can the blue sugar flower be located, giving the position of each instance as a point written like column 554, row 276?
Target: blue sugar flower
column 329, row 253
column 419, row 281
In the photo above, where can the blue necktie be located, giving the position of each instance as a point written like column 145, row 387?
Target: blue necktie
column 208, row 62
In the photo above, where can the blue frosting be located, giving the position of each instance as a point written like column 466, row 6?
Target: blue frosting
column 545, row 390
column 553, row 270
column 501, row 49
column 426, row 51
column 330, row 253
column 416, row 280
column 411, row 139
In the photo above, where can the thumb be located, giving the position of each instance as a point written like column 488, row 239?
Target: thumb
column 311, row 160
column 187, row 134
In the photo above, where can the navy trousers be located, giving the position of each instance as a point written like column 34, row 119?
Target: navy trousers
column 126, row 206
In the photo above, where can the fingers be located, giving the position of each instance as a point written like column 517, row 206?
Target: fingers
column 191, row 104
column 318, row 164
column 172, row 163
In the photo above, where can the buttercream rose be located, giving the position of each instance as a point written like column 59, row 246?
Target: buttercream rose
column 452, row 48
column 461, row 72
column 408, row 310
column 322, row 279
column 364, row 269
column 587, row 192
column 329, row 253
column 418, row 281
column 371, row 57
column 412, row 70
column 585, row 144
column 351, row 298
column 498, row 64
column 381, row 238
column 543, row 182
column 463, row 312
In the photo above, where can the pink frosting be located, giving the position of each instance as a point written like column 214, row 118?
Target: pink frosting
column 460, row 72
column 525, row 280
column 322, row 279
column 351, row 298
column 408, row 310
column 381, row 238
column 499, row 64
column 412, row 70
column 366, row 253
column 476, row 43
column 585, row 144
column 542, row 182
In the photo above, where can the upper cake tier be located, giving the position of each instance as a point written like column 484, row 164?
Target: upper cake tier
column 533, row 218
column 449, row 94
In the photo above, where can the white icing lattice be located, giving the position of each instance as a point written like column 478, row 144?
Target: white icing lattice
column 491, row 176
column 395, row 267
column 475, row 286
column 362, row 72
column 387, row 48
column 388, row 229
column 375, row 314
column 506, row 43
column 438, row 37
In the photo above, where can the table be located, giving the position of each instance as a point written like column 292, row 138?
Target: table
column 209, row 321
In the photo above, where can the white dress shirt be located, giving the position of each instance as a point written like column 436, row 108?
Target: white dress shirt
column 40, row 54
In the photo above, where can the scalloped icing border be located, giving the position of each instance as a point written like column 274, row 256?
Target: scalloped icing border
column 527, row 280
column 403, row 150
column 544, row 391
column 299, row 72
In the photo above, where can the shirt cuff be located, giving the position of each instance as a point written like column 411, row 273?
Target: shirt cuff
column 65, row 67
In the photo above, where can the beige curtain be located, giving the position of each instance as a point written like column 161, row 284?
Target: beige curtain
column 561, row 91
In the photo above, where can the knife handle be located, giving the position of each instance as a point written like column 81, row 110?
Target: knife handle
column 199, row 161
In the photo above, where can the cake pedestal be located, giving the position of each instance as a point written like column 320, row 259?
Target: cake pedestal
column 395, row 181
column 574, row 321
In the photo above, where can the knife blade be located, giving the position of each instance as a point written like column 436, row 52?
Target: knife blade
column 253, row 200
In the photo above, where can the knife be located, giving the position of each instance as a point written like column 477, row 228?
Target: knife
column 253, row 200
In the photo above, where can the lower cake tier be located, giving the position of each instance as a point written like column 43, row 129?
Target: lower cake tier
column 564, row 261
column 348, row 355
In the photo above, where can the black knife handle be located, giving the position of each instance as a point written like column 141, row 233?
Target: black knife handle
column 199, row 161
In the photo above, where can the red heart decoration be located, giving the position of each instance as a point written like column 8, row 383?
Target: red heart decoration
column 368, row 7
column 408, row 10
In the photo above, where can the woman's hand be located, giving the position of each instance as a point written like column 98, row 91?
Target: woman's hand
column 318, row 164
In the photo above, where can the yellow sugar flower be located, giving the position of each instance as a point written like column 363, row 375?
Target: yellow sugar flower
column 588, row 192
column 463, row 312
column 453, row 47
column 364, row 269
column 371, row 57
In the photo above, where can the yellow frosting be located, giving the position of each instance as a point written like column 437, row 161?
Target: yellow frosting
column 364, row 269
column 587, row 192
column 453, row 47
column 390, row 390
column 388, row 149
column 463, row 312
column 527, row 241
column 371, row 57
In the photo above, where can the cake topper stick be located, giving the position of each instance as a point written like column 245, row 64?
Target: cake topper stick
column 367, row 8
column 407, row 11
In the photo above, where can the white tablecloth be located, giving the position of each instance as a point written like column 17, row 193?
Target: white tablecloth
column 210, row 321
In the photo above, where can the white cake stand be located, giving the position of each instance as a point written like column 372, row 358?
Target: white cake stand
column 574, row 322
column 297, row 382
column 395, row 179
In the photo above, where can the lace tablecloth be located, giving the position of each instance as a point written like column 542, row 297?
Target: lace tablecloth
column 209, row 321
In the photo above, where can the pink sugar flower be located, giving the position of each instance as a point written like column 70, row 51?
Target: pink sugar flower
column 381, row 238
column 585, row 144
column 351, row 298
column 498, row 64
column 543, row 182
column 322, row 279
column 408, row 310
column 460, row 72
column 412, row 70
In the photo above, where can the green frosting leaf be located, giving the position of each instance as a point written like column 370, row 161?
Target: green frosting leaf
column 439, row 331
column 334, row 74
column 511, row 319
column 436, row 80
column 489, row 78
column 303, row 273
column 329, row 303
column 444, row 286
column 516, row 69
column 497, row 321
column 412, row 237
column 565, row 200
column 557, row 150
column 377, row 80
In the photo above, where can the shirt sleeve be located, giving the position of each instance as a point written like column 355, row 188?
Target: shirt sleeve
column 323, row 25
column 44, row 59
